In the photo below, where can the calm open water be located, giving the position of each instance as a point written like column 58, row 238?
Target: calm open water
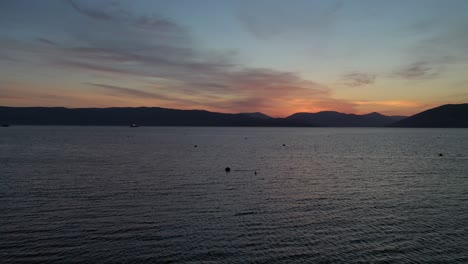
column 330, row 195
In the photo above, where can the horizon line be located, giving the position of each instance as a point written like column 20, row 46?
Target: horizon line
column 231, row 113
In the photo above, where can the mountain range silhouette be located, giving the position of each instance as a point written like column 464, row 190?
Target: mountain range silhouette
column 443, row 116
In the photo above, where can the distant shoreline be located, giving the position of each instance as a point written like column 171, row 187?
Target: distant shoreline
column 446, row 116
column 195, row 126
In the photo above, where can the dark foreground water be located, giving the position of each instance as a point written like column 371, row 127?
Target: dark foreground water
column 330, row 195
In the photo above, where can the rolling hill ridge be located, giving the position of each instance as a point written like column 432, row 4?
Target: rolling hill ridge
column 443, row 116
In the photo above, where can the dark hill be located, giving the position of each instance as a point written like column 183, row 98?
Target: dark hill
column 155, row 116
column 257, row 115
column 450, row 115
column 336, row 119
column 145, row 116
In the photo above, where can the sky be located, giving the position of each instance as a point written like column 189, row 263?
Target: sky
column 272, row 56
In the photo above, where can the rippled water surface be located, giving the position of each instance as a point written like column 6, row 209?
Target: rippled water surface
column 329, row 195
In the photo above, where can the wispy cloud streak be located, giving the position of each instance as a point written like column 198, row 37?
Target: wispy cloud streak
column 356, row 79
column 417, row 70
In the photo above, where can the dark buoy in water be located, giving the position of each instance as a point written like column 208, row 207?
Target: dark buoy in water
column 284, row 145
column 195, row 146
column 245, row 138
column 227, row 169
column 255, row 172
column 440, row 154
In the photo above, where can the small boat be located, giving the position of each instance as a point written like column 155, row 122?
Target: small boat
column 5, row 125
column 134, row 125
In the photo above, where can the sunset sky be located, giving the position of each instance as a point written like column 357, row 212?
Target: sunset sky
column 272, row 56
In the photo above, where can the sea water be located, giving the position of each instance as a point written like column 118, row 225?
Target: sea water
column 293, row 195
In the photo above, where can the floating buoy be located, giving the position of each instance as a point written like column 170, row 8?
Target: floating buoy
column 195, row 146
column 440, row 154
column 284, row 145
column 227, row 169
column 255, row 172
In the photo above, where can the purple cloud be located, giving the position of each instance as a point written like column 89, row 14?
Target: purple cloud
column 356, row 79
column 47, row 41
column 159, row 55
column 125, row 91
column 265, row 19
column 417, row 70
column 89, row 12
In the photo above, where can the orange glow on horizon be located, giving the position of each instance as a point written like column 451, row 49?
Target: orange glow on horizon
column 24, row 95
